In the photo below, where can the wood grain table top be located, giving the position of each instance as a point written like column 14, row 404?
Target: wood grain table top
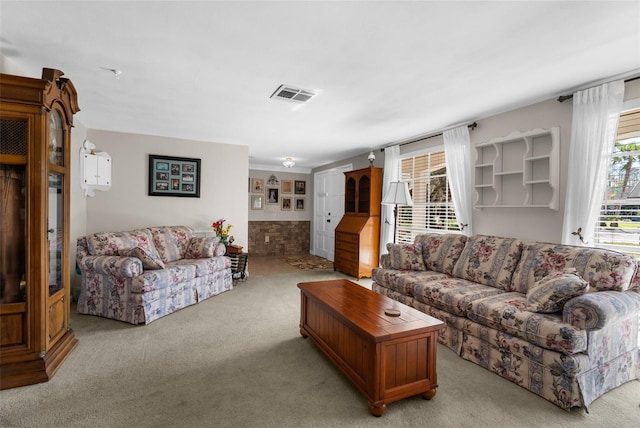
column 365, row 310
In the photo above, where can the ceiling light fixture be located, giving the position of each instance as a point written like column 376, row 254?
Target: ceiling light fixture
column 288, row 162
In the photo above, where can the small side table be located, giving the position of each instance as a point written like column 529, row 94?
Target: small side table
column 238, row 266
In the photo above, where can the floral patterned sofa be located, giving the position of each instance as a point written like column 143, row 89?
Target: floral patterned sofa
column 141, row 275
column 558, row 320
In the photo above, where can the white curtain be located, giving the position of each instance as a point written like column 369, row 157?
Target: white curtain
column 595, row 121
column 391, row 173
column 457, row 151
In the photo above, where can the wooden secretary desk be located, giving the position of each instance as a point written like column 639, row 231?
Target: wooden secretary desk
column 357, row 239
column 36, row 116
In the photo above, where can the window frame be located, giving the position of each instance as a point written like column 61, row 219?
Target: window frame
column 407, row 231
column 615, row 228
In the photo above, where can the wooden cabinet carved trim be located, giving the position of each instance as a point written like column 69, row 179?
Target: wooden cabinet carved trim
column 357, row 237
column 36, row 116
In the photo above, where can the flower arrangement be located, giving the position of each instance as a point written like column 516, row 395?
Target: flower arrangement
column 222, row 231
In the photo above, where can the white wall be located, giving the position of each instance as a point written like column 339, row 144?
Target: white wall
column 78, row 203
column 272, row 212
column 9, row 67
column 528, row 224
column 126, row 206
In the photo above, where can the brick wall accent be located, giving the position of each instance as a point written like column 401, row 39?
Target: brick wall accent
column 286, row 238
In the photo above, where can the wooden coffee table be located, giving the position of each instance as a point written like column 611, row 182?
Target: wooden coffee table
column 387, row 356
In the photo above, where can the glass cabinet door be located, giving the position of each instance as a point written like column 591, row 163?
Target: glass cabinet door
column 12, row 235
column 56, row 139
column 363, row 194
column 55, row 232
column 13, row 194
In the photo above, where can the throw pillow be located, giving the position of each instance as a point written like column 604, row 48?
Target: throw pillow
column 550, row 293
column 150, row 260
column 219, row 250
column 201, row 247
column 406, row 256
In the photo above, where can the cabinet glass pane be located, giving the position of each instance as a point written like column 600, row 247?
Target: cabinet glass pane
column 55, row 232
column 350, row 195
column 12, row 234
column 363, row 194
column 56, row 139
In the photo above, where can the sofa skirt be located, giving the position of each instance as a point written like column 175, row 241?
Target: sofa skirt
column 568, row 381
column 102, row 296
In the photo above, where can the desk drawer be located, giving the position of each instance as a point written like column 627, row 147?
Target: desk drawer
column 347, row 246
column 347, row 267
column 347, row 237
column 346, row 256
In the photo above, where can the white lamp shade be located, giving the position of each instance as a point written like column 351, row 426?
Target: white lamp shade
column 397, row 194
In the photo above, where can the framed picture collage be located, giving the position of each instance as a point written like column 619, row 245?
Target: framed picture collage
column 289, row 195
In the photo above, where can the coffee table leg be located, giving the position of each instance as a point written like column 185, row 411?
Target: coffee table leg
column 428, row 395
column 377, row 410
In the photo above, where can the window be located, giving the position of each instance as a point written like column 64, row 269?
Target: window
column 432, row 210
column 618, row 225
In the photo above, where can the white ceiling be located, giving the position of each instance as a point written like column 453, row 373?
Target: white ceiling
column 385, row 71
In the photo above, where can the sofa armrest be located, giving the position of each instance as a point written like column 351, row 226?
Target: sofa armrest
column 385, row 261
column 124, row 267
column 595, row 310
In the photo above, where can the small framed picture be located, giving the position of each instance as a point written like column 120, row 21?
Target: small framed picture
column 286, row 204
column 273, row 194
column 257, row 185
column 287, row 186
column 256, row 202
column 174, row 176
column 300, row 187
column 299, row 204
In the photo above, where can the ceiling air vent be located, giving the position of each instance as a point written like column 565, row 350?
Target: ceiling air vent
column 289, row 93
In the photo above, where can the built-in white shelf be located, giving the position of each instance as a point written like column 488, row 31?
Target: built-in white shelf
column 521, row 169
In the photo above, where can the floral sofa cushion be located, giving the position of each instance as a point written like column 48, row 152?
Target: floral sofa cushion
column 406, row 256
column 506, row 312
column 171, row 241
column 123, row 267
column 109, row 243
column 204, row 266
column 149, row 259
column 404, row 281
column 170, row 276
column 200, row 247
column 489, row 260
column 440, row 252
column 551, row 293
column 603, row 269
column 453, row 294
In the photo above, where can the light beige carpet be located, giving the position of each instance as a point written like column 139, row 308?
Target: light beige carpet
column 237, row 360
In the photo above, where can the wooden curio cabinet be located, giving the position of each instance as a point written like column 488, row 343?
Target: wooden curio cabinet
column 358, row 233
column 36, row 116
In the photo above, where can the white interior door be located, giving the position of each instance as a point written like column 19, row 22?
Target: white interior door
column 329, row 209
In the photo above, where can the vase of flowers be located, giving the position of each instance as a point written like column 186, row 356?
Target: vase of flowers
column 222, row 231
